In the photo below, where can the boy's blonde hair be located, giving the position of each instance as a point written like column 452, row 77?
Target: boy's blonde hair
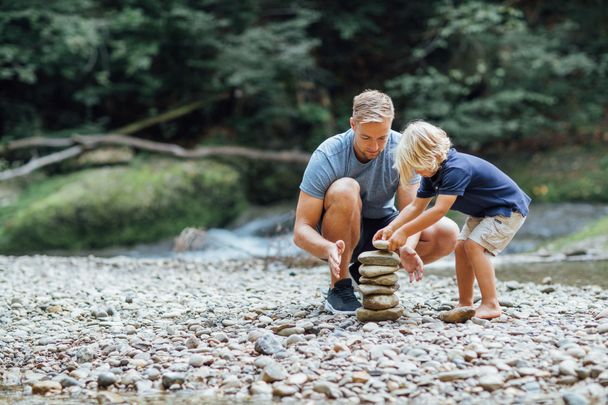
column 423, row 146
column 372, row 106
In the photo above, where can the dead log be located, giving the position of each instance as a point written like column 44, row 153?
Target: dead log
column 80, row 143
column 38, row 163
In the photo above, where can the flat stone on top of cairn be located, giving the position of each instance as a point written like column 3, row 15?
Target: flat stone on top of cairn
column 380, row 244
column 378, row 284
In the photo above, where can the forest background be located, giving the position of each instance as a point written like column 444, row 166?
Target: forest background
column 522, row 83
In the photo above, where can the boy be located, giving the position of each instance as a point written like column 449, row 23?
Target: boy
column 496, row 206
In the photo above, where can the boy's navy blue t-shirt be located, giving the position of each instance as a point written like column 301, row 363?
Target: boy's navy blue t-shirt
column 482, row 189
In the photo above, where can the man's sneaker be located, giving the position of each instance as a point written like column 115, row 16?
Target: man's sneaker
column 341, row 299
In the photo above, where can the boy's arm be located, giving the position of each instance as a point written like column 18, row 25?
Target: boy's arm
column 411, row 224
column 405, row 196
column 411, row 211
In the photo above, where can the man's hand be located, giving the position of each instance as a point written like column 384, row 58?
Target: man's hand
column 334, row 257
column 412, row 263
column 397, row 240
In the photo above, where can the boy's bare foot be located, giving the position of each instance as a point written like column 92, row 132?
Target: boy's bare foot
column 486, row 311
column 457, row 315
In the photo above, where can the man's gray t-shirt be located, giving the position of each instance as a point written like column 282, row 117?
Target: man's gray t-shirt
column 378, row 179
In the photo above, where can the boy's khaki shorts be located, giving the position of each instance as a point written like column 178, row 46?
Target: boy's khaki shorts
column 493, row 233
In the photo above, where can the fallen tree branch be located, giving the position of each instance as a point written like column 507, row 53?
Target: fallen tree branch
column 80, row 143
column 92, row 141
column 36, row 164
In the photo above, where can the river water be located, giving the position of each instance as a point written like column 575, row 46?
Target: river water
column 267, row 233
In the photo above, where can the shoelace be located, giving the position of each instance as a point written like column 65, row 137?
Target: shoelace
column 347, row 294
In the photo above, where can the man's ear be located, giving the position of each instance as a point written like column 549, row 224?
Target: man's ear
column 352, row 123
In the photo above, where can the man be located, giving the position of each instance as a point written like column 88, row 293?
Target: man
column 348, row 193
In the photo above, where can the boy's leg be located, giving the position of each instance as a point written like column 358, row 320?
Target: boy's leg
column 465, row 276
column 486, row 280
column 492, row 235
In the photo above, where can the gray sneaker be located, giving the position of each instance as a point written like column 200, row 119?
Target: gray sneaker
column 341, row 299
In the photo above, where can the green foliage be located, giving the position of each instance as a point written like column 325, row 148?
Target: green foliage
column 565, row 174
column 68, row 62
column 594, row 235
column 283, row 74
column 114, row 206
column 485, row 74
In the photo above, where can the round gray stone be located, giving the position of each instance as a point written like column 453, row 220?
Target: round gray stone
column 380, row 301
column 369, row 270
column 387, row 280
column 368, row 315
column 371, row 289
column 106, row 379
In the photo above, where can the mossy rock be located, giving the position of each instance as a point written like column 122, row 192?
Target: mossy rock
column 121, row 206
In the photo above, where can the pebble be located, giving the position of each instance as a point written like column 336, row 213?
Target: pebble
column 260, row 388
column 216, row 332
column 268, row 344
column 171, row 378
column 273, row 372
column 45, row 387
column 284, row 390
column 106, row 379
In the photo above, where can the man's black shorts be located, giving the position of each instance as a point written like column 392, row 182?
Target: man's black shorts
column 369, row 227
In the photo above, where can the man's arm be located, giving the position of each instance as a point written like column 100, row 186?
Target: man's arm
column 306, row 236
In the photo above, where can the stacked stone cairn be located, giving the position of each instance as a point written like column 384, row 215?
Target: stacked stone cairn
column 378, row 285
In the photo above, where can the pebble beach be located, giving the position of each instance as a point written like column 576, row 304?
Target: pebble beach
column 116, row 330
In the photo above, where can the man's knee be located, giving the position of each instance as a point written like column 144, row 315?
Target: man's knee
column 343, row 193
column 446, row 236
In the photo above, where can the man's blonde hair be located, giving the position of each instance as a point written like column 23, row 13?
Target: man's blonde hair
column 423, row 146
column 372, row 106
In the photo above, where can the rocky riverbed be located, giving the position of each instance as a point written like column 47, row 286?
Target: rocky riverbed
column 122, row 329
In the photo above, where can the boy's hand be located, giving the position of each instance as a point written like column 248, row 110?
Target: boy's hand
column 412, row 263
column 397, row 240
column 334, row 257
column 383, row 233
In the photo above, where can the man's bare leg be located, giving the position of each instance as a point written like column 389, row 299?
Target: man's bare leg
column 342, row 219
column 484, row 273
column 438, row 240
